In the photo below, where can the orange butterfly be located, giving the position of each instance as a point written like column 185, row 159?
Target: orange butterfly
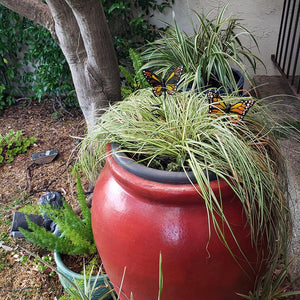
column 219, row 107
column 160, row 86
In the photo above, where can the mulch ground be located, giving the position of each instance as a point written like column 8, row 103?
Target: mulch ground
column 22, row 182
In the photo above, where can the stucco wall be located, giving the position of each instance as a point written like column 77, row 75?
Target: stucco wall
column 261, row 17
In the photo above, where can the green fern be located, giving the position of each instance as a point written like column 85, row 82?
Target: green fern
column 137, row 66
column 136, row 80
column 86, row 214
column 77, row 236
column 39, row 235
column 128, row 76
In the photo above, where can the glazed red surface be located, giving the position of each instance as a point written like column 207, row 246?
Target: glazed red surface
column 134, row 220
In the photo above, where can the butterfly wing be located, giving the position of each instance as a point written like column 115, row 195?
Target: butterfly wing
column 157, row 90
column 154, row 81
column 173, row 79
column 240, row 109
column 217, row 105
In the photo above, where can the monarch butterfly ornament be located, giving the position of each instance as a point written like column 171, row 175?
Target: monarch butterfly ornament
column 219, row 107
column 160, row 86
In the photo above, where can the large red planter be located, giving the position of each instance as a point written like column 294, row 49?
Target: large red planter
column 135, row 219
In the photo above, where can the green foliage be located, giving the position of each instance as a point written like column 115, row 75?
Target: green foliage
column 77, row 236
column 13, row 144
column 47, row 74
column 2, row 101
column 11, row 39
column 86, row 214
column 207, row 55
column 275, row 284
column 51, row 75
column 136, row 80
column 129, row 22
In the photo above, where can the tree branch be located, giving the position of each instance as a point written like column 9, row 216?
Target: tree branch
column 34, row 10
column 102, row 61
column 68, row 32
column 94, row 28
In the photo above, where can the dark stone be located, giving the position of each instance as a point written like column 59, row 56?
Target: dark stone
column 54, row 229
column 44, row 157
column 19, row 220
column 55, row 201
column 52, row 198
column 48, row 223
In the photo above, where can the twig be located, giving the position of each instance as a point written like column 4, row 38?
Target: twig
column 20, row 289
column 46, row 187
column 28, row 176
column 22, row 98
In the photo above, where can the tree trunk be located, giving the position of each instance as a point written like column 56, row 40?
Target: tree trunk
column 81, row 30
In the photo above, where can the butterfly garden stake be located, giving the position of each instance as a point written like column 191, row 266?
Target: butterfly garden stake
column 237, row 111
column 161, row 86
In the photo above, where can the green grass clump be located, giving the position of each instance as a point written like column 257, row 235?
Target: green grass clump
column 245, row 155
column 207, row 54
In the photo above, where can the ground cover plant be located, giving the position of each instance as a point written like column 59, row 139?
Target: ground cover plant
column 12, row 144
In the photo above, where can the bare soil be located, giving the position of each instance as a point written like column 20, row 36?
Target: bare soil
column 22, row 182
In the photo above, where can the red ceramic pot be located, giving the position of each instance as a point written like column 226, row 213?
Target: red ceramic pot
column 135, row 219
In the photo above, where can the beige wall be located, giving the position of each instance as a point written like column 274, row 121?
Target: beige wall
column 261, row 17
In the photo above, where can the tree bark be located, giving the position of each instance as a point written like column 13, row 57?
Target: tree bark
column 81, row 30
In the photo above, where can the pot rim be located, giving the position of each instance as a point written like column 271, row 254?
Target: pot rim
column 152, row 174
column 72, row 274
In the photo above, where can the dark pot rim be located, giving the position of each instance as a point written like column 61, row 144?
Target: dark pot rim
column 239, row 79
column 152, row 174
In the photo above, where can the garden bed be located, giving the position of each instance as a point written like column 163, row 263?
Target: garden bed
column 22, row 182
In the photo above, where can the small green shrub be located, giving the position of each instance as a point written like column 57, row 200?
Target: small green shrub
column 77, row 236
column 13, row 144
column 50, row 76
column 129, row 22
